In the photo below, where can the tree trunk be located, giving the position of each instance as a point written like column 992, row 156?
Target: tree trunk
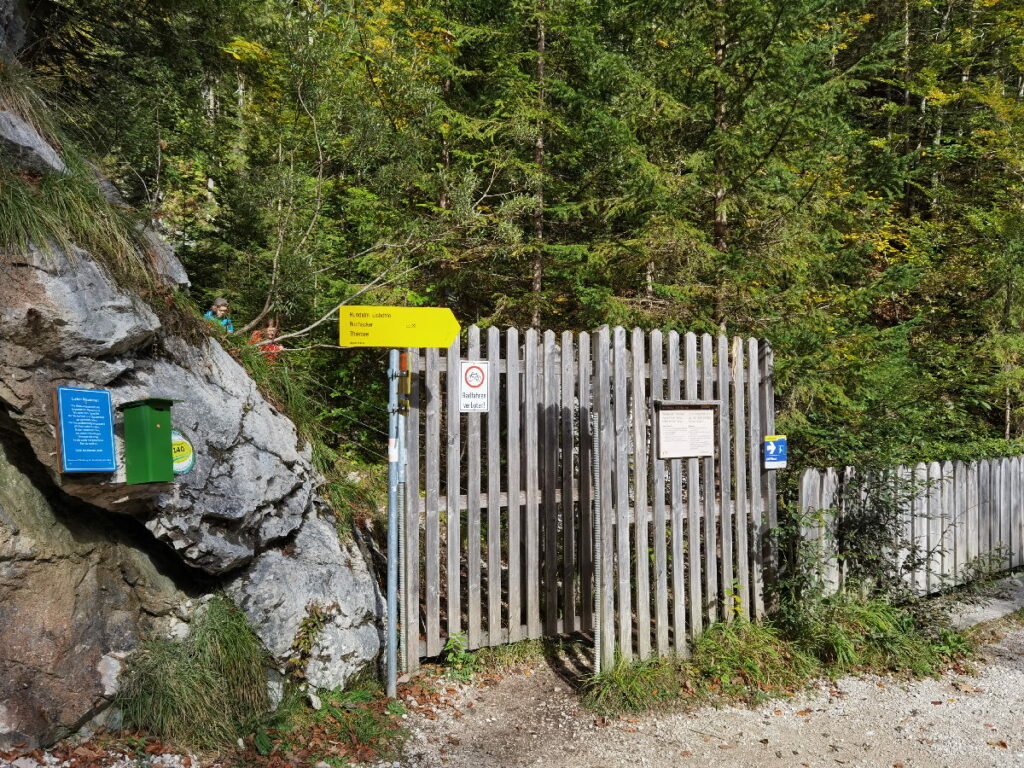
column 446, row 157
column 538, row 159
column 720, row 216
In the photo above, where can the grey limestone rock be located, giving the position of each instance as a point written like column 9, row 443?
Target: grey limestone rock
column 13, row 15
column 315, row 568
column 29, row 149
column 76, row 593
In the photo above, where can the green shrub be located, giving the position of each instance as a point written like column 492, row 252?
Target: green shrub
column 460, row 661
column 202, row 692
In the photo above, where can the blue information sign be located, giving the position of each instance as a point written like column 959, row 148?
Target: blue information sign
column 775, row 450
column 85, row 420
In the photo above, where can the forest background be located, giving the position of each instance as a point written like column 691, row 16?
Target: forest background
column 844, row 179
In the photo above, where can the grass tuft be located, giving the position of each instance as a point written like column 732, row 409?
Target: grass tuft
column 357, row 724
column 746, row 660
column 500, row 658
column 203, row 692
column 633, row 687
column 743, row 661
column 847, row 632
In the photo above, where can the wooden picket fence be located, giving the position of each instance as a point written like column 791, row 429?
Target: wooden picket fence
column 499, row 542
column 958, row 516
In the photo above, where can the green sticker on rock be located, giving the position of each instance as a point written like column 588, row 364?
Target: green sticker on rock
column 181, row 452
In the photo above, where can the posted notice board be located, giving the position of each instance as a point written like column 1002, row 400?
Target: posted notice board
column 685, row 433
column 85, row 430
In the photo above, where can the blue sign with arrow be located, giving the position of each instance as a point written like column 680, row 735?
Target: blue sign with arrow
column 775, row 450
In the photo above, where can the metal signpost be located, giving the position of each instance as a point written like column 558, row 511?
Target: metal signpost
column 396, row 327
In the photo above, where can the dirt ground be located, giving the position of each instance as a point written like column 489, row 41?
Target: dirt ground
column 533, row 718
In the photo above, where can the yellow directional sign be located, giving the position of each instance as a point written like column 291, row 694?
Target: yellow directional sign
column 396, row 327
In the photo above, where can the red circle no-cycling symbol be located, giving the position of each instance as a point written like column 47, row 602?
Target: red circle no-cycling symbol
column 474, row 377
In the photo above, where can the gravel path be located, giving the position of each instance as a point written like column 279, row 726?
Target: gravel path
column 533, row 718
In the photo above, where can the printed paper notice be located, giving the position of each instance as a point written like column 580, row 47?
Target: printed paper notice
column 684, row 433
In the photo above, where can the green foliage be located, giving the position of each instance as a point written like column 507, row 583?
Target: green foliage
column 203, row 692
column 461, row 664
column 842, row 181
column 312, row 624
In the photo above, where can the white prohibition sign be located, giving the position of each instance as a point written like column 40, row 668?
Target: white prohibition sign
column 474, row 394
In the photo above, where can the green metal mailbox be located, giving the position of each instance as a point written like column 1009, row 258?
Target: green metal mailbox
column 147, row 441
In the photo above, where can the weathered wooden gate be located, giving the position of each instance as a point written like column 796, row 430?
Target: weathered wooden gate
column 499, row 541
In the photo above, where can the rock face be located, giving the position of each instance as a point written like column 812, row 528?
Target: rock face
column 77, row 592
column 274, row 593
column 247, row 518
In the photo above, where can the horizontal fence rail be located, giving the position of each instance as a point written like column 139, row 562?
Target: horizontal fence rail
column 500, row 519
column 959, row 519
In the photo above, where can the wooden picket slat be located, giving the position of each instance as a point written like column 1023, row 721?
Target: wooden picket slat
column 642, row 529
column 549, row 506
column 432, row 533
column 514, row 485
column 411, row 607
column 602, row 391
column 586, row 511
column 1017, row 513
column 473, row 531
column 984, row 507
column 494, row 585
column 921, row 527
column 657, row 349
column 754, row 456
column 828, row 504
column 933, row 527
column 568, row 517
column 770, row 499
column 973, row 511
column 725, row 479
column 676, row 501
column 531, row 453
column 1005, row 504
column 710, row 505
column 947, row 555
column 810, row 506
column 453, row 489
column 959, row 522
column 740, row 471
column 622, row 525
column 693, row 507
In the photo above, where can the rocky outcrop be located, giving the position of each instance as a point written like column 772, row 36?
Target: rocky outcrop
column 247, row 518
column 13, row 17
column 77, row 591
column 315, row 563
column 21, row 141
